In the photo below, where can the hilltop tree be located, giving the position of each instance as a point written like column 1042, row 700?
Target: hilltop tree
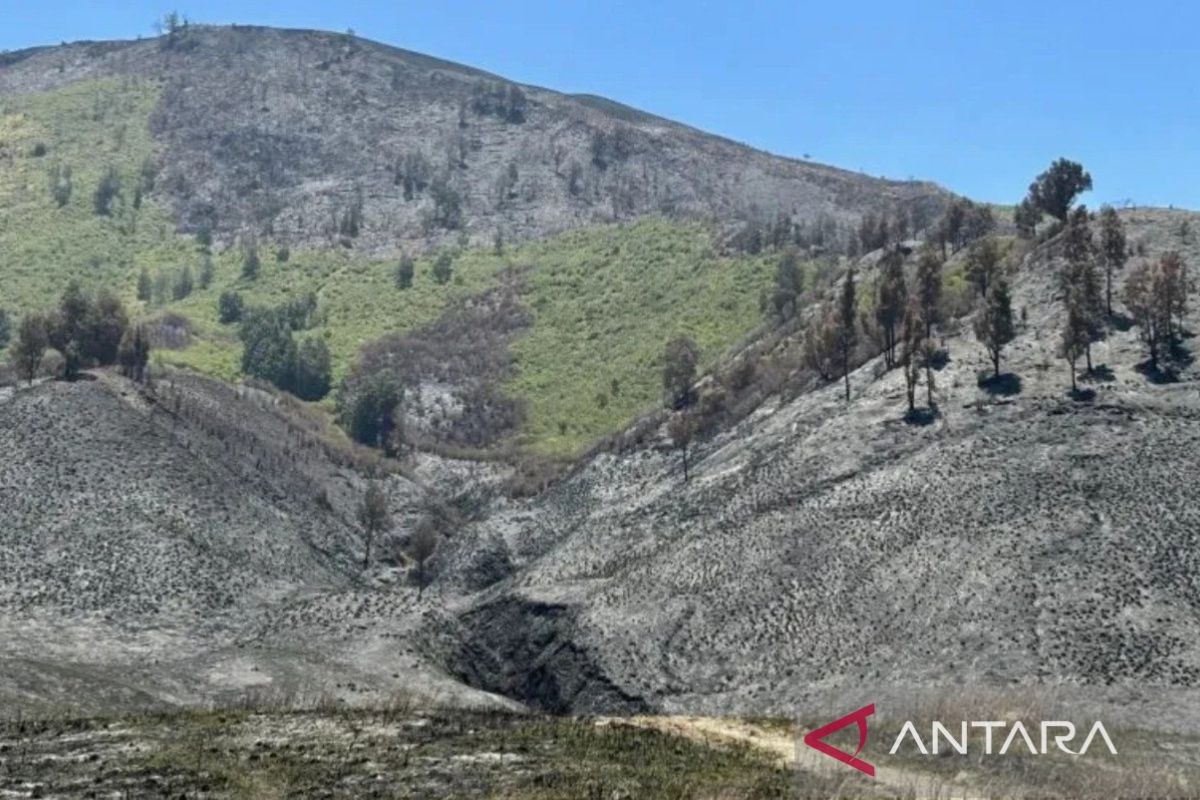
column 983, row 264
column 134, row 353
column 679, row 372
column 374, row 517
column 1113, row 250
column 789, row 285
column 847, row 333
column 994, row 325
column 1055, row 190
column 404, row 272
column 29, row 347
column 681, row 428
column 889, row 306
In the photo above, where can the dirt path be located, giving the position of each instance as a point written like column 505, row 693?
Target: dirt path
column 782, row 746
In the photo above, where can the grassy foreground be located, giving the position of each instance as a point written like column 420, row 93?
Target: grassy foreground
column 603, row 301
column 241, row 754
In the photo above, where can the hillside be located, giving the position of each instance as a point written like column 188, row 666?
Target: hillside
column 331, row 157
column 819, row 551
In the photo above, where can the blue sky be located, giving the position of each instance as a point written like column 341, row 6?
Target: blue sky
column 976, row 96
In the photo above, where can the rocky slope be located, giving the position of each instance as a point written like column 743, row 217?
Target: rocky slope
column 314, row 138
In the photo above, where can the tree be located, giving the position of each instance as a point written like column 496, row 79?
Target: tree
column 404, row 272
column 229, row 307
column 447, row 205
column 1172, row 290
column 443, row 267
column 145, row 287
column 134, row 353
column 268, row 350
column 929, row 287
column 889, row 306
column 104, row 328
column 1079, row 281
column 1155, row 294
column 679, row 372
column 313, row 370
column 65, row 327
column 1055, row 190
column 1112, row 249
column 1026, row 217
column 206, row 270
column 30, row 345
column 847, row 333
column 820, row 347
column 250, row 261
column 369, row 412
column 914, row 333
column 107, row 191
column 422, row 546
column 994, row 325
column 681, row 427
column 983, row 264
column 374, row 517
column 789, row 285
column 1076, row 337
column 1142, row 297
column 183, row 283
column 5, row 328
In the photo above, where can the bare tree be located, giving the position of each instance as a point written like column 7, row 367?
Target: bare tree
column 1113, row 250
column 422, row 546
column 374, row 517
column 847, row 332
column 681, row 428
column 890, row 302
column 679, row 371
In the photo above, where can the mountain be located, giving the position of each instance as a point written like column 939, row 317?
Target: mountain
column 293, row 132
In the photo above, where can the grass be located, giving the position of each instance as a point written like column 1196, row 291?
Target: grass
column 343, row 753
column 604, row 301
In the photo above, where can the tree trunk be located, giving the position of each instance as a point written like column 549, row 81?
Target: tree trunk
column 996, row 363
column 685, row 464
column 367, row 556
column 846, row 374
column 1074, row 386
column 1088, row 351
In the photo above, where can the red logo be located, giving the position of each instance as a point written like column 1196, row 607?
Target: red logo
column 816, row 739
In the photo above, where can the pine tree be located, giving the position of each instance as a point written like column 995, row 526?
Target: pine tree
column 994, row 325
column 929, row 287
